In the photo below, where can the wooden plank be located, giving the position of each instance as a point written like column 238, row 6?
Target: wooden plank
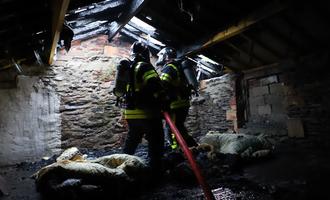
column 59, row 10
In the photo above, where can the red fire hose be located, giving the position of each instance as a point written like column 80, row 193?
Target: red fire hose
column 206, row 189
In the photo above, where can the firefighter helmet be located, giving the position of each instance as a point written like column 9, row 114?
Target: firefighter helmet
column 140, row 50
column 166, row 54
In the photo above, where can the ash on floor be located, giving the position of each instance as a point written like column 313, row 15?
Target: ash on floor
column 297, row 170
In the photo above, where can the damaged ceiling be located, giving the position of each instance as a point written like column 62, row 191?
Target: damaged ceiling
column 237, row 34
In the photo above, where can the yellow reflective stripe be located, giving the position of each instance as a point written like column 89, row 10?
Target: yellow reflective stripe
column 135, row 117
column 177, row 71
column 136, row 69
column 166, row 77
column 148, row 75
column 173, row 66
column 137, row 66
column 179, row 104
column 174, row 144
column 136, row 114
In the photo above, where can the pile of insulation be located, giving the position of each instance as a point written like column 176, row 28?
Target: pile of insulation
column 73, row 176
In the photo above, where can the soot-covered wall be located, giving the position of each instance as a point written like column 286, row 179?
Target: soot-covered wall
column 290, row 98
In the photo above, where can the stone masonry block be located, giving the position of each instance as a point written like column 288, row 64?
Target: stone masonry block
column 259, row 91
column 277, row 89
column 278, row 109
column 253, row 110
column 257, row 101
column 274, row 99
column 264, row 110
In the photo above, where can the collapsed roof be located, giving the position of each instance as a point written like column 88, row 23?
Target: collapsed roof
column 237, row 34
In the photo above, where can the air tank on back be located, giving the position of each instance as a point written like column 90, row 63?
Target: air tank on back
column 189, row 72
column 122, row 77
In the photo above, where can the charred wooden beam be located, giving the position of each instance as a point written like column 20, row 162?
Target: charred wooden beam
column 162, row 24
column 142, row 29
column 135, row 7
column 138, row 37
column 157, row 34
column 101, row 10
column 167, row 37
column 74, row 4
column 59, row 7
column 89, row 27
column 243, row 25
column 91, row 33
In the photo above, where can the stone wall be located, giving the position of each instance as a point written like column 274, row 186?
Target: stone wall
column 83, row 78
column 72, row 105
column 266, row 101
column 215, row 107
column 29, row 121
column 308, row 85
column 63, row 105
column 290, row 98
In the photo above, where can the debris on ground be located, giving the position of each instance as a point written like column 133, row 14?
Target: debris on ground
column 247, row 146
column 72, row 175
column 229, row 175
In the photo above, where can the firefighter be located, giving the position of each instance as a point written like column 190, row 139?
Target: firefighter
column 179, row 91
column 143, row 110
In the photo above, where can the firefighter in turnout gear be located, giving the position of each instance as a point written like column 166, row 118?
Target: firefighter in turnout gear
column 142, row 110
column 179, row 91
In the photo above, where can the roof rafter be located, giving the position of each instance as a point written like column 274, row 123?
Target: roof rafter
column 115, row 26
column 241, row 26
column 60, row 7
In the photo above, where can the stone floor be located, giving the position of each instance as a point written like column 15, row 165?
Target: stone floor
column 298, row 169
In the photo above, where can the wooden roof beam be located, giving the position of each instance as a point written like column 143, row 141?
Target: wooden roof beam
column 134, row 8
column 102, row 10
column 59, row 9
column 137, row 37
column 244, row 24
column 159, row 22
